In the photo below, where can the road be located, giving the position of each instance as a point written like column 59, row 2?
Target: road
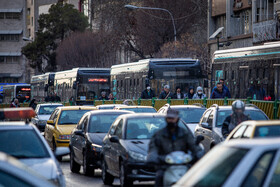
column 74, row 179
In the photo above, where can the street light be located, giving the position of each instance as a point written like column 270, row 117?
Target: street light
column 132, row 7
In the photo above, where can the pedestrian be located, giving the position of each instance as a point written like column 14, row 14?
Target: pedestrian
column 49, row 98
column 256, row 92
column 190, row 93
column 148, row 93
column 169, row 139
column 14, row 103
column 219, row 92
column 111, row 97
column 199, row 93
column 224, row 87
column 56, row 98
column 33, row 104
column 165, row 93
column 237, row 116
column 178, row 94
column 103, row 96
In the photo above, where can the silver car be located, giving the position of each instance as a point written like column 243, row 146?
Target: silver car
column 24, row 142
column 44, row 112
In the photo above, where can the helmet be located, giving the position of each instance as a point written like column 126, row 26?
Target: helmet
column 171, row 113
column 238, row 105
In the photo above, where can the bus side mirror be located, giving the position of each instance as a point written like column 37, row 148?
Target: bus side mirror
column 74, row 85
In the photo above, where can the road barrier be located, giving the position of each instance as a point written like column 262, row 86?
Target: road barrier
column 271, row 108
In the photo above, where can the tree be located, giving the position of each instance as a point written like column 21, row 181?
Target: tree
column 62, row 20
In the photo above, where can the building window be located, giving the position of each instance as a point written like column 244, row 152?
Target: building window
column 9, row 37
column 2, row 59
column 12, row 15
column 245, row 22
column 31, row 21
column 29, row 33
column 221, row 22
column 2, row 15
column 264, row 10
column 9, row 59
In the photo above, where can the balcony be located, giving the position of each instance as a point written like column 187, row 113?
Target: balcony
column 264, row 31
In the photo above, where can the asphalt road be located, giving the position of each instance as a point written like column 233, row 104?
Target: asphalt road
column 80, row 180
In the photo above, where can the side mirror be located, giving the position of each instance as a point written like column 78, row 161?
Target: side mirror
column 51, row 122
column 79, row 133
column 199, row 139
column 61, row 151
column 206, row 126
column 114, row 139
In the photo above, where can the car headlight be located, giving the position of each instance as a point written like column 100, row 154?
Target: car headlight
column 137, row 156
column 96, row 147
column 64, row 137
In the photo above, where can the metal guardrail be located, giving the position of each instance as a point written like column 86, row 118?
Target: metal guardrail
column 271, row 108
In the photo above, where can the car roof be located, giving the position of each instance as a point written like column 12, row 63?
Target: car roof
column 262, row 122
column 15, row 125
column 186, row 106
column 111, row 105
column 135, row 107
column 77, row 108
column 142, row 115
column 110, row 112
column 230, row 108
column 48, row 104
column 251, row 143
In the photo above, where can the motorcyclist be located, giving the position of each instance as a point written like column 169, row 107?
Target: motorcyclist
column 169, row 139
column 237, row 116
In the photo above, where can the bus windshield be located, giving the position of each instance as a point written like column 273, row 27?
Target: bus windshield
column 23, row 93
column 90, row 91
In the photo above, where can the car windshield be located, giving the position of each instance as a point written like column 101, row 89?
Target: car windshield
column 106, row 107
column 145, row 127
column 101, row 123
column 47, row 110
column 254, row 115
column 267, row 131
column 22, row 144
column 140, row 110
column 71, row 116
column 191, row 115
column 223, row 162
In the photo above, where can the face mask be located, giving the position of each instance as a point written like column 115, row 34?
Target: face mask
column 148, row 88
column 199, row 93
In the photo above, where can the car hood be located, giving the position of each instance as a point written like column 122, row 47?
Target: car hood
column 44, row 166
column 43, row 117
column 97, row 138
column 139, row 146
column 65, row 129
column 192, row 126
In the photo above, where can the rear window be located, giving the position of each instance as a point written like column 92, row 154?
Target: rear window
column 22, row 144
column 47, row 110
column 191, row 115
column 267, row 131
column 254, row 115
column 140, row 110
column 102, row 123
column 71, row 116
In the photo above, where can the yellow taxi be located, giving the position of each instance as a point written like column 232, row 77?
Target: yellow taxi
column 61, row 123
column 256, row 129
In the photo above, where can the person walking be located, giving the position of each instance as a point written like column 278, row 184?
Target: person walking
column 148, row 93
column 219, row 92
column 237, row 117
column 199, row 93
column 165, row 93
column 178, row 94
column 14, row 103
column 33, row 104
column 169, row 139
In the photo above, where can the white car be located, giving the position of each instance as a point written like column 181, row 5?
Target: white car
column 43, row 113
column 15, row 173
column 254, row 162
column 24, row 142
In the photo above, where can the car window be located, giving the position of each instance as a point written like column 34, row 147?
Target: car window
column 118, row 131
column 53, row 114
column 238, row 133
column 275, row 180
column 22, row 144
column 80, row 124
column 47, row 110
column 101, row 123
column 267, row 131
column 191, row 115
column 71, row 116
column 248, row 132
column 210, row 119
column 257, row 175
column 113, row 127
column 145, row 127
column 205, row 116
column 223, row 162
column 253, row 114
column 10, row 180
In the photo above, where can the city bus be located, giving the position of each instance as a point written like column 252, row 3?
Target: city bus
column 82, row 85
column 42, row 86
column 20, row 91
column 129, row 80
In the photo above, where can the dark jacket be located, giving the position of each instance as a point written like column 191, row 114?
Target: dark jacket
column 231, row 122
column 218, row 95
column 105, row 98
column 162, row 144
column 259, row 92
column 163, row 95
column 225, row 88
column 146, row 95
column 175, row 96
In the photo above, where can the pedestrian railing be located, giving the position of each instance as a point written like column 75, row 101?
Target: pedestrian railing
column 270, row 108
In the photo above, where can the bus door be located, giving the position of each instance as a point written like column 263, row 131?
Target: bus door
column 243, row 79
